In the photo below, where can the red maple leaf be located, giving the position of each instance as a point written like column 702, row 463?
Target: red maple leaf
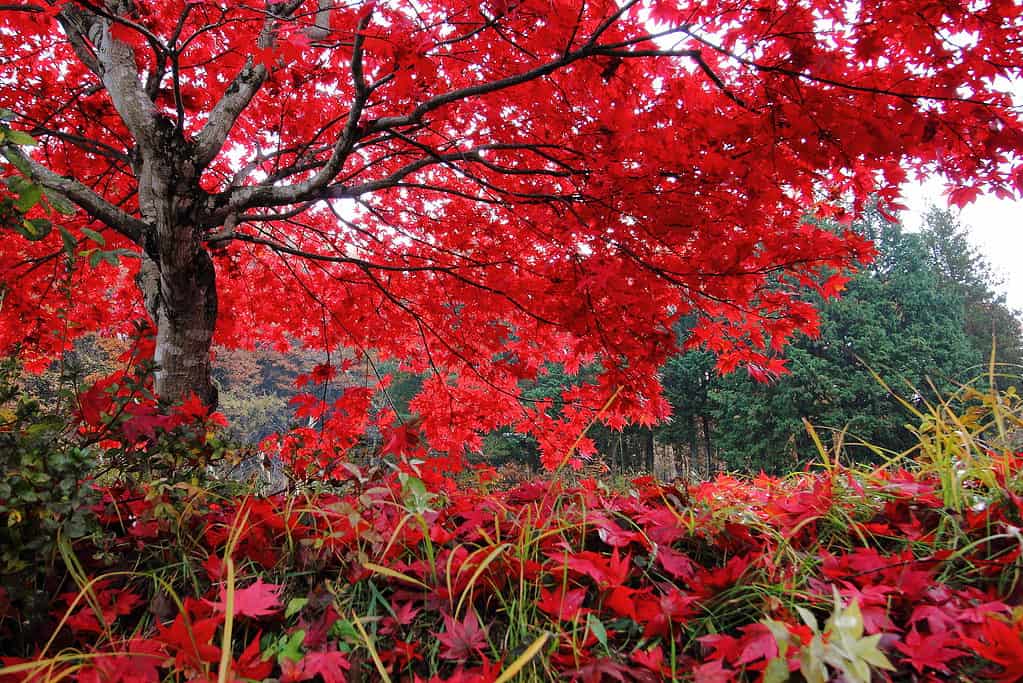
column 143, row 420
column 1001, row 643
column 598, row 670
column 460, row 640
column 250, row 663
column 563, row 605
column 257, row 600
column 931, row 651
column 606, row 572
column 191, row 641
column 713, row 672
column 757, row 643
column 330, row 665
column 402, row 439
column 676, row 564
column 138, row 662
column 652, row 659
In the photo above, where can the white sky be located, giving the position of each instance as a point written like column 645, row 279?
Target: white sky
column 995, row 228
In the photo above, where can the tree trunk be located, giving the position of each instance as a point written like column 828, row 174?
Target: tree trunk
column 694, row 446
column 707, row 446
column 178, row 278
column 183, row 306
column 665, row 465
column 648, row 449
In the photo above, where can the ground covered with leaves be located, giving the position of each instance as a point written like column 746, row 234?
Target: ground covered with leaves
column 835, row 574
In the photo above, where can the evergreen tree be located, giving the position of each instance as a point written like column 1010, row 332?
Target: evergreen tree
column 988, row 319
column 897, row 318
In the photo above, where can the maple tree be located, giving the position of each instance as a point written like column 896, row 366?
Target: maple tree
column 477, row 188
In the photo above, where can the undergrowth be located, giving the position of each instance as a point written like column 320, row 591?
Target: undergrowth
column 907, row 570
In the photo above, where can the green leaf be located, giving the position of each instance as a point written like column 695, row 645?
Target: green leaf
column 295, row 606
column 34, row 229
column 597, row 629
column 290, row 647
column 867, row 649
column 18, row 161
column 417, row 498
column 777, row 671
column 808, row 618
column 95, row 255
column 94, row 236
column 781, row 635
column 28, row 197
column 70, row 243
column 345, row 630
column 18, row 183
column 19, row 137
column 76, row 527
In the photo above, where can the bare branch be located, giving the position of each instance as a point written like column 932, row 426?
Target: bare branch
column 223, row 116
column 119, row 75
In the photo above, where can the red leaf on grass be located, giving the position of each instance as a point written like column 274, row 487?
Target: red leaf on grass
column 139, row 662
column 329, row 665
column 611, row 533
column 678, row 565
column 250, row 663
column 1003, row 645
column 258, row 600
column 461, row 639
column 929, row 651
column 567, row 606
column 606, row 572
column 757, row 643
column 599, row 670
column 191, row 641
column 652, row 659
column 713, row 672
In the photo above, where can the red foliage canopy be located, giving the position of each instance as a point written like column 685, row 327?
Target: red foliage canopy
column 477, row 188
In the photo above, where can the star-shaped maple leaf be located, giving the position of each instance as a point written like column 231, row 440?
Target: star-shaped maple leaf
column 461, row 639
column 929, row 651
column 258, row 600
column 566, row 606
column 330, row 665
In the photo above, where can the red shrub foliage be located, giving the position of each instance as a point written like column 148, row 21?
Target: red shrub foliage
column 722, row 582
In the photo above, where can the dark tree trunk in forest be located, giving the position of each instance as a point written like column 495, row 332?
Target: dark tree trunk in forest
column 694, row 445
column 707, row 445
column 648, row 449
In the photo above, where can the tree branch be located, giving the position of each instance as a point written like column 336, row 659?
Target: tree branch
column 97, row 207
column 121, row 79
column 362, row 264
column 269, row 195
column 224, row 114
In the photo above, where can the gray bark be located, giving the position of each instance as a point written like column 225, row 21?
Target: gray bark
column 183, row 305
